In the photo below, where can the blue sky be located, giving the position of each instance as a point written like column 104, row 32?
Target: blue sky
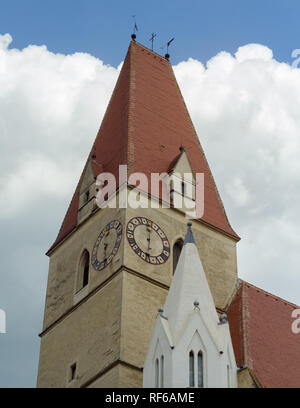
column 51, row 107
column 201, row 28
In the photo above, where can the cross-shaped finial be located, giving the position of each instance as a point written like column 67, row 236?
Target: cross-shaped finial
column 152, row 39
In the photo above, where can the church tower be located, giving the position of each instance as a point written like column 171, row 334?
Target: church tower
column 111, row 268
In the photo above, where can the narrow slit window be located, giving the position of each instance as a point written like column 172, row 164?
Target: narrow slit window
column 191, row 369
column 156, row 373
column 200, row 370
column 162, row 372
column 87, row 196
column 228, row 375
column 72, row 375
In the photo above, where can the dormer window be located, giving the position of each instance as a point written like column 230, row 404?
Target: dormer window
column 183, row 188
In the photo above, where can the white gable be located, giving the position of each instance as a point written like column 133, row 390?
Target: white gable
column 194, row 343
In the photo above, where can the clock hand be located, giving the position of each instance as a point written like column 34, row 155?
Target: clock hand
column 105, row 246
column 149, row 238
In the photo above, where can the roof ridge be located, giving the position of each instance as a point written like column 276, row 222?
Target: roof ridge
column 148, row 49
column 271, row 294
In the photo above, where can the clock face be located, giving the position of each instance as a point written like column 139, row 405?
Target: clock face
column 148, row 240
column 107, row 245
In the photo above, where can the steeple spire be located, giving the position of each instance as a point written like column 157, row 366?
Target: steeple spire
column 191, row 325
column 189, row 284
column 189, row 238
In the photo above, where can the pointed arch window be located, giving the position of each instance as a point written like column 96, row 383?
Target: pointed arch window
column 83, row 272
column 156, row 373
column 200, row 369
column 191, row 369
column 177, row 248
column 162, row 372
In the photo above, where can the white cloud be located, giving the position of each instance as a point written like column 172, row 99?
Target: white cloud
column 50, row 109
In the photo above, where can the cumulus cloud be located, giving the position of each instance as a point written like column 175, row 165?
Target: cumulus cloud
column 50, row 108
column 245, row 108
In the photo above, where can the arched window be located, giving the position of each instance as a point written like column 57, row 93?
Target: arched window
column 83, row 272
column 156, row 373
column 228, row 376
column 176, row 253
column 191, row 369
column 162, row 372
column 200, row 370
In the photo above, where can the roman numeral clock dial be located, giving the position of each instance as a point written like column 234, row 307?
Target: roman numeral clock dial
column 148, row 240
column 107, row 245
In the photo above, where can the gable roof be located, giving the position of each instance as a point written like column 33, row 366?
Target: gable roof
column 144, row 126
column 260, row 326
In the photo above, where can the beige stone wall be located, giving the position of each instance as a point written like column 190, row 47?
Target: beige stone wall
column 64, row 262
column 130, row 378
column 119, row 376
column 110, row 379
column 89, row 336
column 245, row 379
column 140, row 302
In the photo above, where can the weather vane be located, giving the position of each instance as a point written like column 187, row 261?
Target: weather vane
column 152, row 39
column 135, row 28
column 167, row 55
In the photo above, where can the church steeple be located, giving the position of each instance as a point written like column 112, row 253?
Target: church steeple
column 188, row 329
column 145, row 123
column 189, row 284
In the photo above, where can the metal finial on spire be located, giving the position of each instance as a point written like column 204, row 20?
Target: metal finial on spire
column 223, row 319
column 135, row 28
column 152, row 39
column 161, row 313
column 189, row 238
column 167, row 55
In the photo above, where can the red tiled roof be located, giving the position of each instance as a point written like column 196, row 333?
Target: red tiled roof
column 260, row 326
column 144, row 125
